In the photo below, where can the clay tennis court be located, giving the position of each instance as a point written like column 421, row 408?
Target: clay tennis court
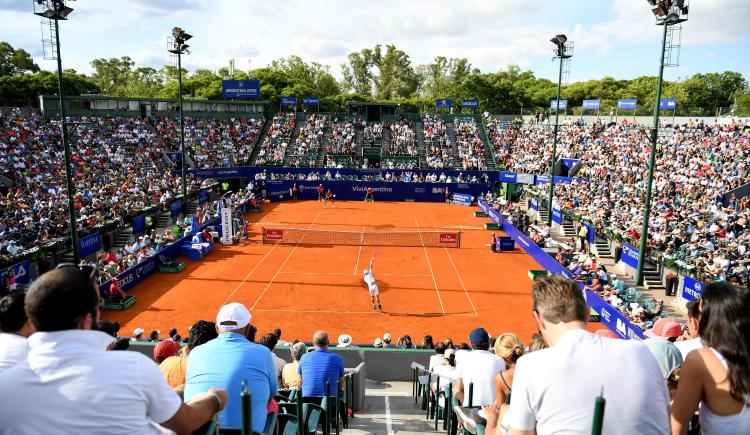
column 303, row 287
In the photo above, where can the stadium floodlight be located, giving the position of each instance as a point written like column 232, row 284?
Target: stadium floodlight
column 668, row 13
column 53, row 11
column 176, row 45
column 563, row 51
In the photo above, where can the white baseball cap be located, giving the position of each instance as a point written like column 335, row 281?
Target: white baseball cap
column 138, row 331
column 387, row 336
column 232, row 316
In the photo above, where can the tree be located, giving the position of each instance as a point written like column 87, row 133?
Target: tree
column 315, row 76
column 15, row 61
column 112, row 75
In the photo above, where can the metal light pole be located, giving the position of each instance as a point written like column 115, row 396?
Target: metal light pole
column 561, row 53
column 667, row 13
column 177, row 46
column 55, row 10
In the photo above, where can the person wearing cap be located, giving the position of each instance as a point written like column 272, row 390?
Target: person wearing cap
column 115, row 292
column 387, row 341
column 345, row 340
column 319, row 367
column 138, row 335
column 228, row 361
column 669, row 359
column 164, row 350
column 446, row 371
column 67, row 385
column 665, row 328
column 15, row 328
column 378, row 343
column 290, row 377
column 479, row 368
column 554, row 389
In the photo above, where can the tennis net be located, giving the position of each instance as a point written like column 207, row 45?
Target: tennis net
column 448, row 239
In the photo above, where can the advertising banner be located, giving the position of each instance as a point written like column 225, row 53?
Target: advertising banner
column 240, row 88
column 470, row 104
column 534, row 203
column 444, row 102
column 627, row 104
column 461, row 198
column 668, row 104
column 451, row 238
column 563, row 104
column 274, row 234
column 508, row 177
column 139, row 224
column 20, row 270
column 525, row 178
column 310, row 101
column 288, row 101
column 90, row 245
column 202, row 197
column 557, row 216
column 176, row 207
column 383, row 190
column 227, row 234
column 613, row 319
column 692, row 288
column 629, row 256
column 591, row 104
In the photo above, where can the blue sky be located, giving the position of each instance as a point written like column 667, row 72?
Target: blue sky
column 613, row 37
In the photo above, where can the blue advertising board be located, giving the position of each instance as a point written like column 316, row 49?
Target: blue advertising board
column 525, row 178
column 507, row 177
column 612, row 318
column 240, row 88
column 470, row 104
column 496, row 216
column 90, row 245
column 288, row 101
column 20, row 270
column 591, row 104
column 310, row 101
column 176, row 207
column 139, row 224
column 383, row 190
column 692, row 288
column 537, row 253
column 668, row 104
column 557, row 216
column 629, row 256
column 443, row 102
column 202, row 197
column 627, row 104
column 534, row 203
column 569, row 163
column 461, row 198
column 563, row 104
column 542, row 179
column 175, row 157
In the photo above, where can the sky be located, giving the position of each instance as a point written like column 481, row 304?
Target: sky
column 615, row 38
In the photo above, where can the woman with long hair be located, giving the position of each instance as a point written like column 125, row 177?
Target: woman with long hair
column 717, row 376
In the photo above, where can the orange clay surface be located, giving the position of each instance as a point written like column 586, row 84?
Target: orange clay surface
column 444, row 292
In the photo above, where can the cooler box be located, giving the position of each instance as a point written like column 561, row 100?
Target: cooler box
column 119, row 305
column 536, row 274
column 188, row 250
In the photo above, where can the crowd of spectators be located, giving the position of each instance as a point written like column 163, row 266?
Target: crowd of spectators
column 469, row 143
column 373, row 133
column 403, row 139
column 406, row 176
column 343, row 137
column 276, row 141
column 309, row 141
column 387, row 163
column 437, row 142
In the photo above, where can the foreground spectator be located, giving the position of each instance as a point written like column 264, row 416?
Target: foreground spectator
column 439, row 358
column 164, row 350
column 554, row 389
column 509, row 348
column 174, row 368
column 319, row 367
column 14, row 329
column 290, row 377
column 66, row 385
column 690, row 340
column 229, row 360
column 478, row 367
column 717, row 376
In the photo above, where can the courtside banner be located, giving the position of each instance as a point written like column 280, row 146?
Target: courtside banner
column 310, row 101
column 274, row 234
column 557, row 216
column 462, row 198
column 562, row 104
column 534, row 204
column 668, row 104
column 483, row 205
column 252, row 171
column 176, row 207
column 443, row 102
column 508, row 177
column 692, row 288
column 240, row 89
column 90, row 245
column 139, row 224
column 450, row 238
column 470, row 104
column 20, row 270
column 627, row 104
column 629, row 256
column 613, row 319
column 382, row 190
column 203, row 197
column 591, row 104
column 496, row 217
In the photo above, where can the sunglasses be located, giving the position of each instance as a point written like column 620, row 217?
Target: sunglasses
column 89, row 271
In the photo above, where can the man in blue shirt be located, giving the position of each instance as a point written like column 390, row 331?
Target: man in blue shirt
column 320, row 366
column 229, row 360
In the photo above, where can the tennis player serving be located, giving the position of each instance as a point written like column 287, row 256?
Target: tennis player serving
column 372, row 285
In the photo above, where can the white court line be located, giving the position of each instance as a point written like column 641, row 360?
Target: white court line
column 351, row 274
column 388, row 424
column 288, row 256
column 458, row 274
column 434, row 281
column 361, row 236
column 378, row 313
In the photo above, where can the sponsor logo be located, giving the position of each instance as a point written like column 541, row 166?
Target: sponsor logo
column 145, row 269
column 374, row 189
column 695, row 294
column 274, row 234
column 606, row 317
column 420, row 190
column 621, row 328
column 279, row 193
column 448, row 237
column 633, row 335
column 127, row 279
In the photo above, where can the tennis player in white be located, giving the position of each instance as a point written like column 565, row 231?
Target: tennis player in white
column 372, row 285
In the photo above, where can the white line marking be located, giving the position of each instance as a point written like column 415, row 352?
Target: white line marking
column 350, row 274
column 361, row 236
column 434, row 281
column 248, row 275
column 290, row 310
column 461, row 281
column 388, row 424
column 288, row 256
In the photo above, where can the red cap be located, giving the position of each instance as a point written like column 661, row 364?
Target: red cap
column 165, row 349
column 665, row 327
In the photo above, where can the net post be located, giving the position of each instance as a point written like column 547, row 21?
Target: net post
column 458, row 245
column 263, row 232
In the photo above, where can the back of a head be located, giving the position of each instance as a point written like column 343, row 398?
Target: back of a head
column 440, row 348
column 537, row 343
column 558, row 300
column 201, row 332
column 58, row 299
column 268, row 340
column 320, row 339
column 297, row 350
column 12, row 312
column 277, row 333
column 509, row 347
column 725, row 326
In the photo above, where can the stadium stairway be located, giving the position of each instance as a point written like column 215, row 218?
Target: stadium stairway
column 569, row 229
column 486, row 147
column 421, row 146
column 602, row 248
column 192, row 206
column 453, row 148
column 261, row 137
column 123, row 236
column 164, row 220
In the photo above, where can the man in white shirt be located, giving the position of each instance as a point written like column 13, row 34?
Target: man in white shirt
column 14, row 328
column 555, row 389
column 66, row 384
column 478, row 368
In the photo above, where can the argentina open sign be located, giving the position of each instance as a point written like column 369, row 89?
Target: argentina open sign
column 240, row 88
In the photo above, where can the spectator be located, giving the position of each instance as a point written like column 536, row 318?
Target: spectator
column 138, row 335
column 172, row 333
column 111, row 328
column 716, row 378
column 439, row 358
column 665, row 328
column 690, row 340
column 427, row 342
column 154, row 336
column 164, row 350
column 478, row 367
column 290, row 377
column 387, row 341
column 345, row 340
column 14, row 330
column 321, row 366
column 121, row 344
column 282, row 343
column 543, row 400
column 229, row 360
column 669, row 359
column 174, row 368
column 405, row 342
column 68, row 370
column 378, row 343
column 269, row 341
column 508, row 348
